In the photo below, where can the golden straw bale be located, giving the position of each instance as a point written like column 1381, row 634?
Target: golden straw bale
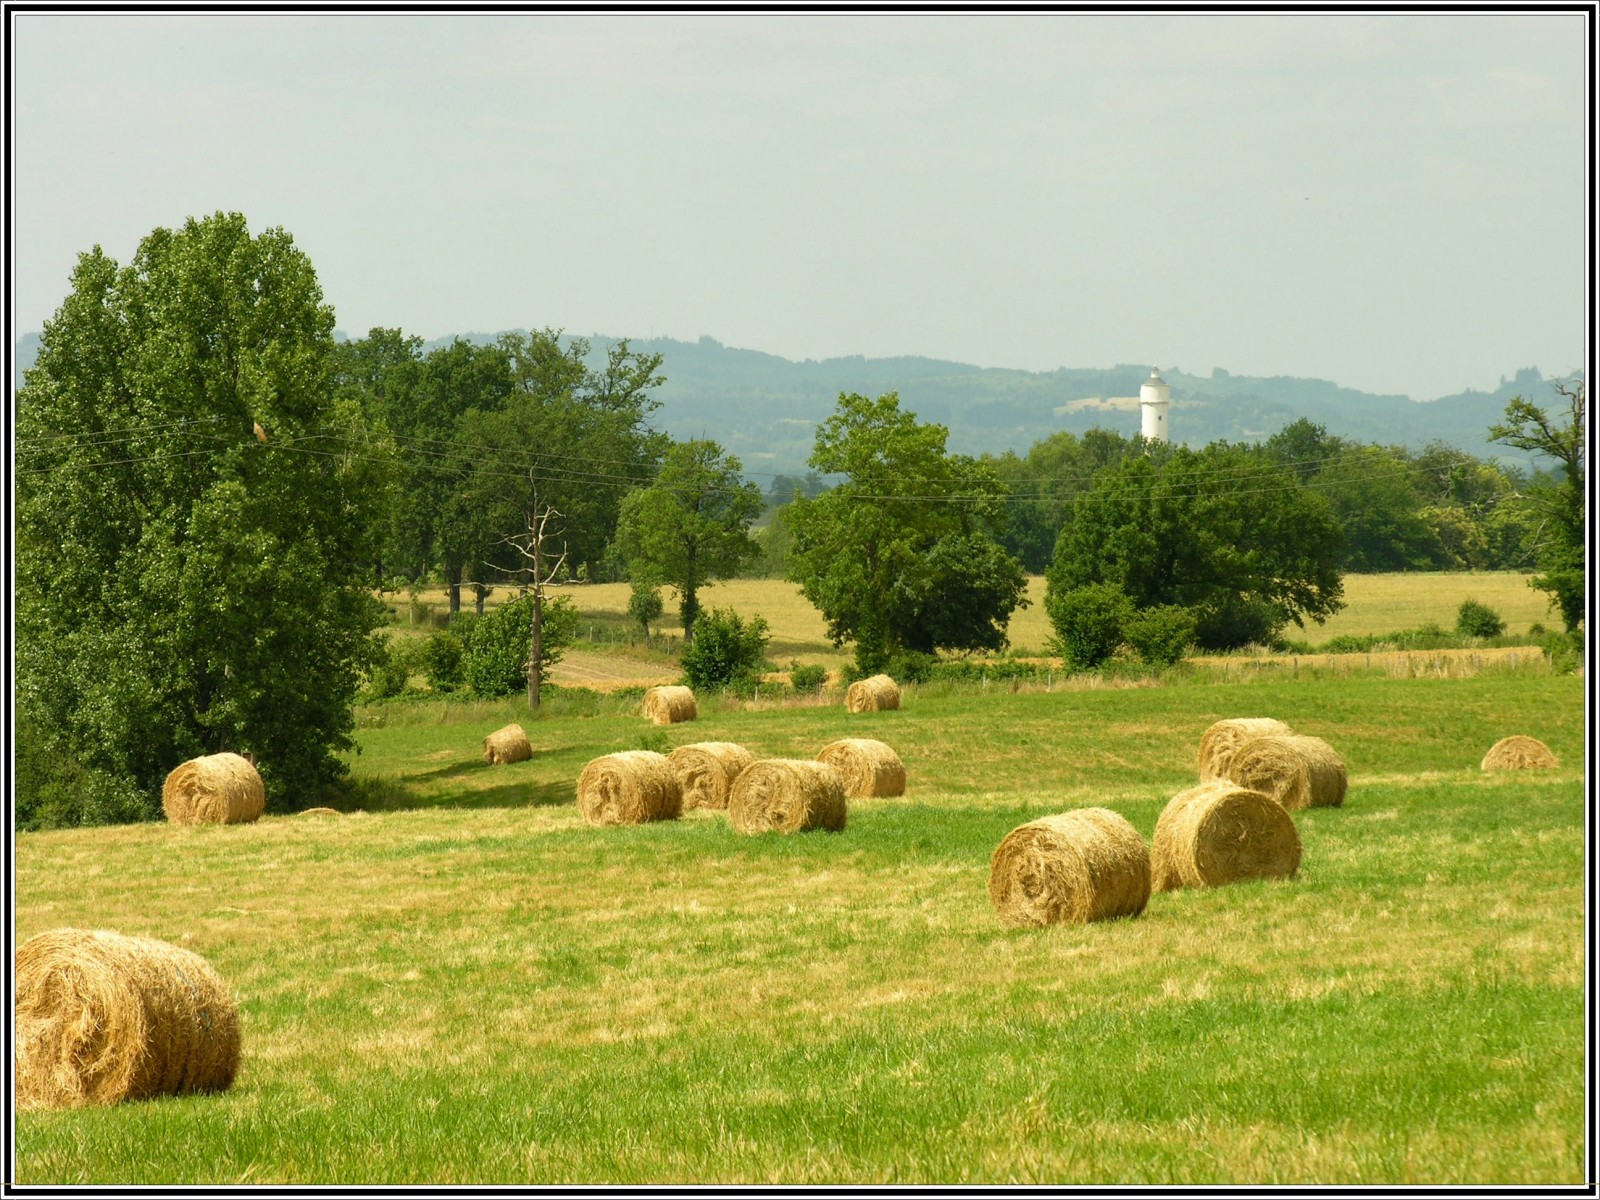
column 706, row 771
column 102, row 1018
column 869, row 768
column 1297, row 772
column 1219, row 833
column 629, row 788
column 1518, row 753
column 1219, row 743
column 1089, row 864
column 669, row 705
column 507, row 745
column 318, row 812
column 221, row 789
column 787, row 795
column 872, row 694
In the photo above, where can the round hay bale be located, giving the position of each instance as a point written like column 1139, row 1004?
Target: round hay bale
column 1089, row 864
column 787, row 795
column 629, row 787
column 706, row 771
column 507, row 745
column 219, row 789
column 1218, row 833
column 1219, row 743
column 875, row 693
column 1518, row 753
column 103, row 1018
column 869, row 768
column 318, row 812
column 669, row 705
column 1298, row 772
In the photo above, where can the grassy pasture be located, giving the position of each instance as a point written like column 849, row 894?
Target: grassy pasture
column 468, row 985
column 1374, row 604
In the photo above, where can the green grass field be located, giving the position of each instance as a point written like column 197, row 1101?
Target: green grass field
column 468, row 985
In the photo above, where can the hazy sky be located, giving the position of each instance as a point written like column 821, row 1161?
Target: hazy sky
column 1394, row 202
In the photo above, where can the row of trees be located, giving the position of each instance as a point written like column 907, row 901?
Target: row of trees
column 209, row 489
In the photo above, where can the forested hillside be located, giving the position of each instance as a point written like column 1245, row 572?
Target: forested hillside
column 764, row 408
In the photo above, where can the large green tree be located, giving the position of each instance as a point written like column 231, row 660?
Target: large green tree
column 902, row 555
column 1225, row 532
column 1560, row 502
column 191, row 522
column 691, row 526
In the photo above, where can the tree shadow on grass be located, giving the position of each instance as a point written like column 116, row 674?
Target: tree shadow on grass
column 383, row 795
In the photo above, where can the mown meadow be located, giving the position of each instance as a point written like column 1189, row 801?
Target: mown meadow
column 463, row 983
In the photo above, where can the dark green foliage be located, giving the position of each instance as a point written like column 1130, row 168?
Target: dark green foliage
column 911, row 666
column 1478, row 620
column 1228, row 621
column 389, row 674
column 807, row 678
column 903, row 554
column 1160, row 635
column 1565, row 650
column 53, row 789
column 495, row 660
column 726, row 651
column 1561, row 502
column 1375, row 498
column 1225, row 532
column 644, row 603
column 1089, row 622
column 441, row 660
column 184, row 586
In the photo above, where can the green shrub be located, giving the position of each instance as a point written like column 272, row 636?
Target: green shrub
column 725, row 651
column 1565, row 650
column 389, row 675
column 1160, row 635
column 808, row 678
column 440, row 659
column 1478, row 620
column 1088, row 623
column 910, row 666
column 53, row 790
column 495, row 660
column 1236, row 621
column 644, row 603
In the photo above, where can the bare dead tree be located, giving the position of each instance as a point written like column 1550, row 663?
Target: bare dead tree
column 532, row 545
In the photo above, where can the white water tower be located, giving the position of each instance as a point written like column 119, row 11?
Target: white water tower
column 1155, row 399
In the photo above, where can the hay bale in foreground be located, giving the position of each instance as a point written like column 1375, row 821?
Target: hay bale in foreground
column 1298, row 772
column 669, row 705
column 1518, row 753
column 219, row 789
column 876, row 693
column 1089, row 864
column 706, row 771
column 507, row 745
column 103, row 1018
column 629, row 787
column 1219, row 743
column 787, row 795
column 868, row 767
column 1218, row 833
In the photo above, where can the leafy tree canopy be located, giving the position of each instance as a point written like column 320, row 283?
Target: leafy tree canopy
column 692, row 524
column 1221, row 531
column 903, row 555
column 192, row 526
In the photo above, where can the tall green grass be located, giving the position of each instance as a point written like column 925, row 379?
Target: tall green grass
column 474, row 987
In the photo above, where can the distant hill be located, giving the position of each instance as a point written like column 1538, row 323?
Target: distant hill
column 765, row 409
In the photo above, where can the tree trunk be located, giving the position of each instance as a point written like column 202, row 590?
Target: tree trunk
column 480, row 593
column 536, row 638
column 452, row 577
